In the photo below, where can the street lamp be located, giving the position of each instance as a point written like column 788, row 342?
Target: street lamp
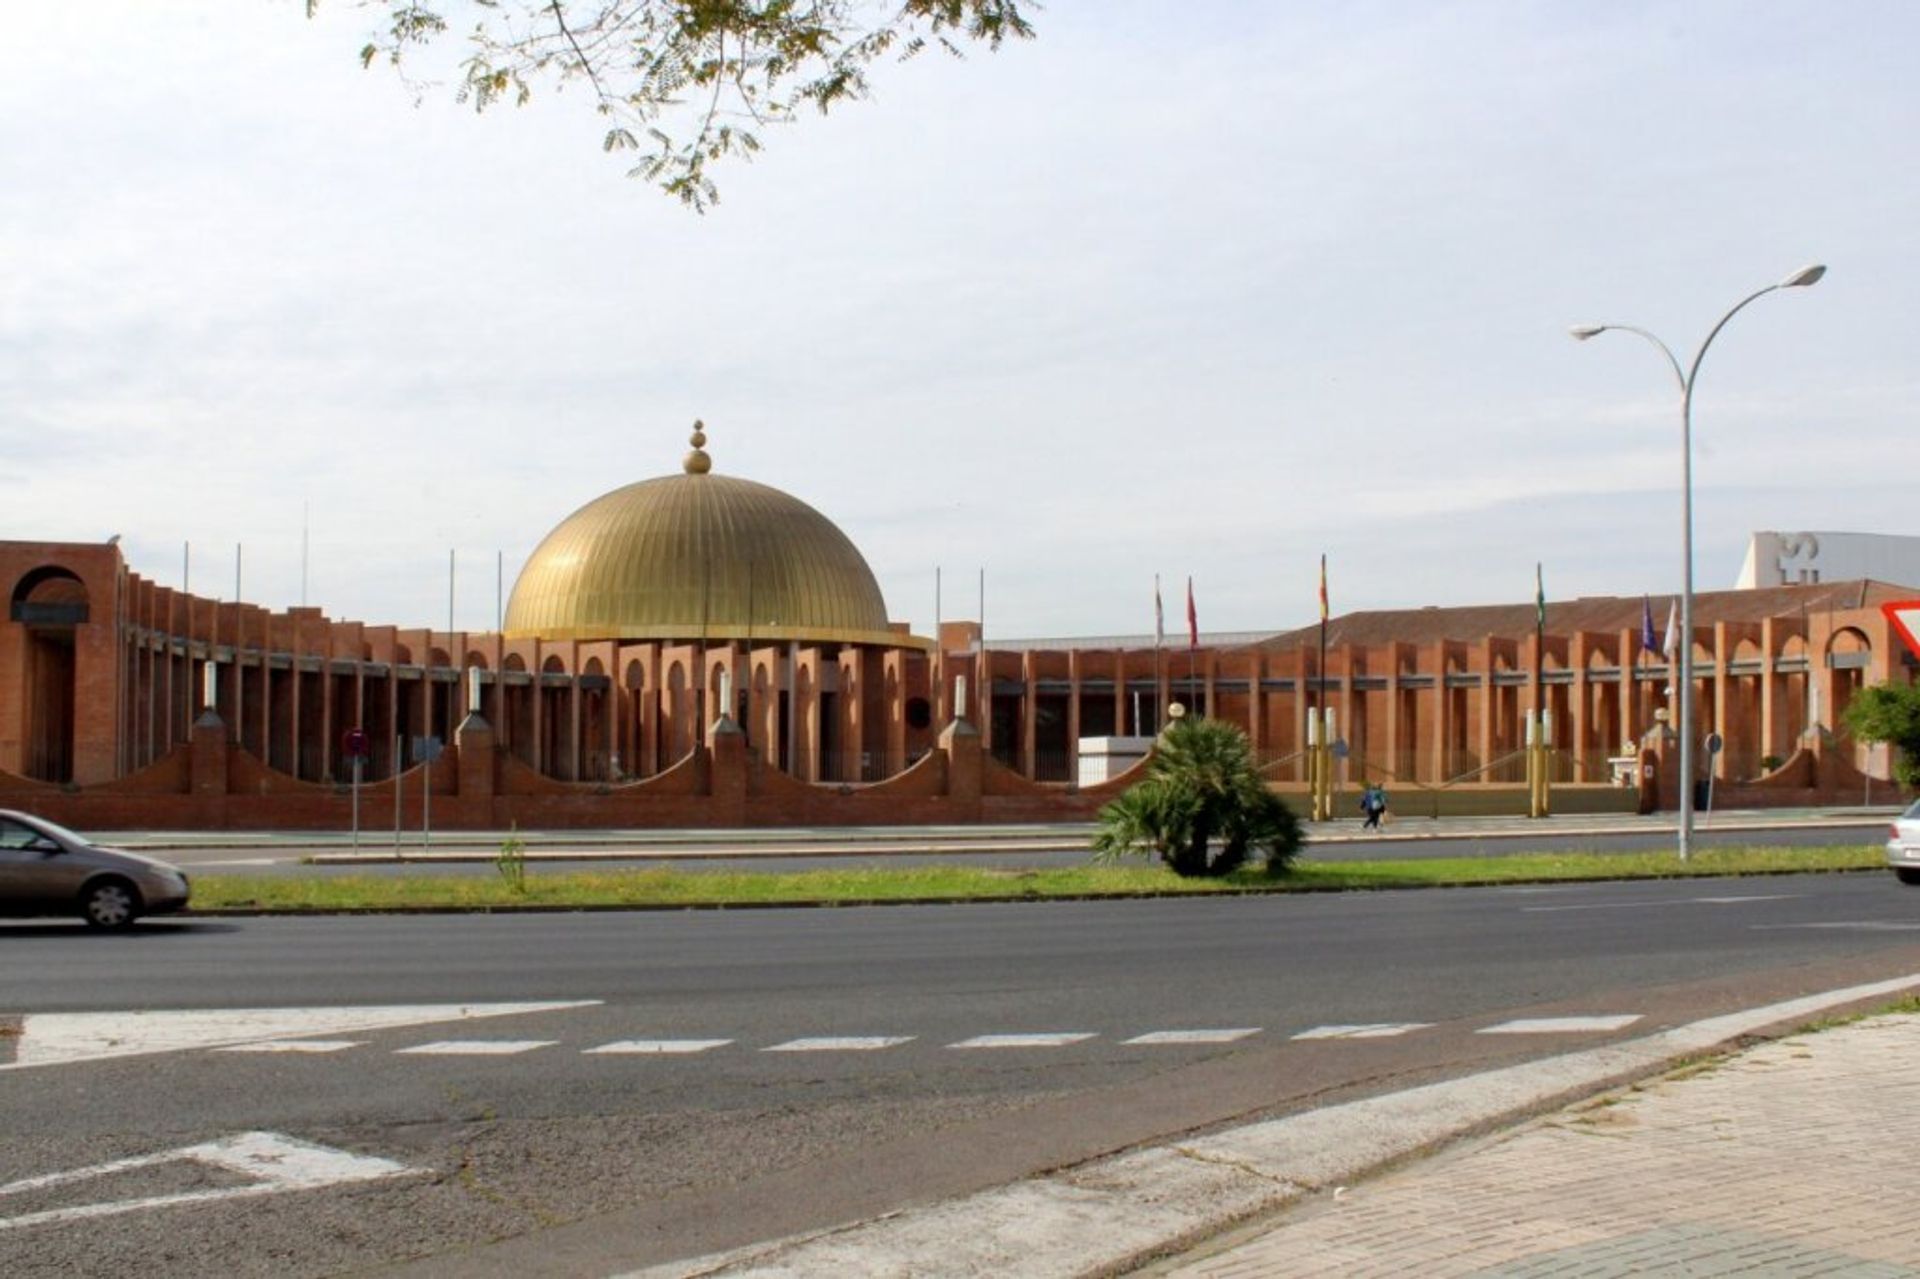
column 1800, row 279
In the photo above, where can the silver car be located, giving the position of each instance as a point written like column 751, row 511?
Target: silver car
column 1903, row 845
column 46, row 869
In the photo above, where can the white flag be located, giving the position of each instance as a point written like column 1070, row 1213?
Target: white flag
column 1671, row 647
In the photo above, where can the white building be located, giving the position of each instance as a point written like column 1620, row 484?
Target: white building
column 1794, row 559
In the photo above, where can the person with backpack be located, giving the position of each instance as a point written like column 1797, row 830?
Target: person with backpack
column 1373, row 803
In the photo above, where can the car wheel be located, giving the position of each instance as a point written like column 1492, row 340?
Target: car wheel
column 110, row 903
column 1908, row 874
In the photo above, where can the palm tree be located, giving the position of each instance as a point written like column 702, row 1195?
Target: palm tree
column 1202, row 806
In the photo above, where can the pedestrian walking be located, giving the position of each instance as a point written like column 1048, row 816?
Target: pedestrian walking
column 1373, row 803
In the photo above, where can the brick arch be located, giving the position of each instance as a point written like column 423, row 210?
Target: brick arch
column 1849, row 639
column 49, row 602
column 49, row 596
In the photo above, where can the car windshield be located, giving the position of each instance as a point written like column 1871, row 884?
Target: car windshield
column 1914, row 811
column 56, row 830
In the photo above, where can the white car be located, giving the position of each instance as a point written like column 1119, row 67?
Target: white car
column 1903, row 845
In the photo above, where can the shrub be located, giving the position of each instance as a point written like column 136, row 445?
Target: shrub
column 1202, row 807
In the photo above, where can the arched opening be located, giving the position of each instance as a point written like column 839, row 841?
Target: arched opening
column 673, row 710
column 596, row 745
column 558, row 756
column 49, row 603
column 633, row 732
column 1849, row 657
column 515, row 728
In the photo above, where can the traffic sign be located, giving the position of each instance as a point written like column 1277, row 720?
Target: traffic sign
column 354, row 744
column 1715, row 743
column 1905, row 616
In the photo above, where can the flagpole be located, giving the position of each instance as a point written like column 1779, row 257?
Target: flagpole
column 1159, row 635
column 1320, row 673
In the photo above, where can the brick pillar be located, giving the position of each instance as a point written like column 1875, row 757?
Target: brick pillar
column 1029, row 714
column 473, row 743
column 1074, row 675
column 207, row 767
column 727, row 772
column 963, row 746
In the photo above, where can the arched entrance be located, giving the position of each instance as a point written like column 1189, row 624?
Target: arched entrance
column 49, row 602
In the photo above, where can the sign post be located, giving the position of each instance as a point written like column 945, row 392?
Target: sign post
column 426, row 750
column 356, row 746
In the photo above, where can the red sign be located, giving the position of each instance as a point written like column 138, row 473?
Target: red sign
column 1905, row 616
column 355, row 745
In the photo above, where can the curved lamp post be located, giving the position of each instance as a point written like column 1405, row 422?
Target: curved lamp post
column 1800, row 279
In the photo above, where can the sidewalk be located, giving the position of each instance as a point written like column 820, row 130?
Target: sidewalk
column 1789, row 1159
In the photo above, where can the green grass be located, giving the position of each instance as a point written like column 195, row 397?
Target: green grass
column 487, row 890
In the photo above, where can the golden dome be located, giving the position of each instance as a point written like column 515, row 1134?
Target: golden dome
column 691, row 554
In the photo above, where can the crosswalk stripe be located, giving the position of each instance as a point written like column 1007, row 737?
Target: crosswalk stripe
column 477, row 1047
column 643, row 1047
column 1192, row 1036
column 845, row 1043
column 1055, row 1040
column 1366, row 1030
column 1560, row 1025
column 294, row 1046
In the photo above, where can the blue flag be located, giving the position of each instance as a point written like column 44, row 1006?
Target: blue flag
column 1648, row 639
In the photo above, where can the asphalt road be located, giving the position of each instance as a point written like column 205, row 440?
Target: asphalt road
column 667, row 1154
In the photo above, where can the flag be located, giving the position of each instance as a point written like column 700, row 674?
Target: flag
column 1159, row 615
column 1193, row 619
column 1671, row 647
column 1323, row 588
column 1647, row 638
column 1539, row 598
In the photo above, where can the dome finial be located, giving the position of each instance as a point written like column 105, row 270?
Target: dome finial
column 697, row 462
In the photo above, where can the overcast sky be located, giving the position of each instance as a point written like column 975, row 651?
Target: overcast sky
column 1201, row 288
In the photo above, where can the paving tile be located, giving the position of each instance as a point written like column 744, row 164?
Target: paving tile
column 1786, row 1160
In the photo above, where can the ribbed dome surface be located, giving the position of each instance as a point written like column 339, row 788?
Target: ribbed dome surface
column 686, row 555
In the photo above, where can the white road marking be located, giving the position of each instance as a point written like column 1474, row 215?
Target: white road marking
column 476, row 1047
column 1681, row 901
column 47, row 1039
column 847, row 1043
column 279, row 1163
column 1192, row 1036
column 1055, row 1040
column 1855, row 925
column 241, row 861
column 1560, row 1025
column 1373, row 1030
column 294, row 1046
column 648, row 1046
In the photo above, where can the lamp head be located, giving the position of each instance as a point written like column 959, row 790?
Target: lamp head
column 1805, row 276
column 1582, row 332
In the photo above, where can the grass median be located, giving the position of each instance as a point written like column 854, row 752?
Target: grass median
column 484, row 890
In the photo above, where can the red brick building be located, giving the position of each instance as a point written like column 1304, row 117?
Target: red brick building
column 701, row 649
